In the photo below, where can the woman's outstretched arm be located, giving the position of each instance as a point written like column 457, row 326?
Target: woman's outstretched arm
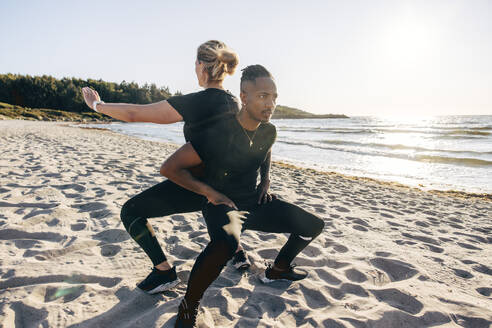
column 160, row 112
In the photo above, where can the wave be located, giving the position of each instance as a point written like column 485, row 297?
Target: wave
column 464, row 161
column 453, row 132
column 401, row 147
column 471, row 132
column 453, row 160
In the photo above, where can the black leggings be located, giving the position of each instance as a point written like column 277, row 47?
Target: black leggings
column 225, row 227
column 163, row 199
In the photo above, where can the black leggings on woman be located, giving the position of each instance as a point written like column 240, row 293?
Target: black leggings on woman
column 225, row 226
column 163, row 199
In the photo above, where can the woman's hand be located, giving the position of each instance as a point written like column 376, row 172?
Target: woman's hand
column 217, row 198
column 90, row 96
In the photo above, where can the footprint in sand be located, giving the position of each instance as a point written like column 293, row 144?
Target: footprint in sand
column 433, row 248
column 482, row 269
column 101, row 214
column 78, row 226
column 330, row 323
column 90, row 207
column 468, row 262
column 359, row 228
column 395, row 269
column 347, row 288
column 485, row 291
column 355, row 275
column 314, row 298
column 110, row 250
column 37, row 212
column 112, row 236
column 268, row 253
column 424, row 239
column 456, row 226
column 395, row 298
column 184, row 252
column 383, row 254
column 336, row 246
column 462, row 273
column 26, row 243
column 340, row 209
column 468, row 246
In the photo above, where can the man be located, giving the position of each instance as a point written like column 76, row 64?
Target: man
column 233, row 151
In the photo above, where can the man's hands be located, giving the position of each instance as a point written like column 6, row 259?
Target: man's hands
column 263, row 195
column 90, row 96
column 217, row 198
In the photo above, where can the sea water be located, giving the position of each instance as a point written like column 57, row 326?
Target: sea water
column 444, row 152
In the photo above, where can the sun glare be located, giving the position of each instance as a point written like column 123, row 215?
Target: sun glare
column 407, row 41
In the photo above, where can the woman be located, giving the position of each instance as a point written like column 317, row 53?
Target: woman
column 214, row 61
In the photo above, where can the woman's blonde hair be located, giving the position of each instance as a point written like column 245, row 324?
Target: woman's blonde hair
column 218, row 59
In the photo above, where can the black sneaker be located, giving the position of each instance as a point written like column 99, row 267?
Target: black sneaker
column 158, row 281
column 187, row 314
column 290, row 274
column 240, row 261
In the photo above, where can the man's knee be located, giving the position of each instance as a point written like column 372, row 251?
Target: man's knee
column 320, row 225
column 317, row 227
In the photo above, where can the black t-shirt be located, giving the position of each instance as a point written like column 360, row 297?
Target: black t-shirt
column 231, row 164
column 202, row 108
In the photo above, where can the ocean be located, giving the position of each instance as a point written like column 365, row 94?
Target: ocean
column 444, row 153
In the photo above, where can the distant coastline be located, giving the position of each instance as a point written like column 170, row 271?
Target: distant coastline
column 8, row 111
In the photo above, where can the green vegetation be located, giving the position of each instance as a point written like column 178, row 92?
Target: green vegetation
column 64, row 94
column 30, row 95
column 8, row 111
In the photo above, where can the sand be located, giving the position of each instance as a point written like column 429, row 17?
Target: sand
column 390, row 256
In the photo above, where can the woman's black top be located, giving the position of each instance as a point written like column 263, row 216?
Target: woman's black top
column 200, row 109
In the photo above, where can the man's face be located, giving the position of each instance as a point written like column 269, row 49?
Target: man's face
column 259, row 98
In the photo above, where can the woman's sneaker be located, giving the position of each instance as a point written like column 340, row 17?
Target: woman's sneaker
column 158, row 281
column 290, row 274
column 240, row 261
column 187, row 314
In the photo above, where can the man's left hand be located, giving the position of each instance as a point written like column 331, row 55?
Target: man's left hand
column 263, row 195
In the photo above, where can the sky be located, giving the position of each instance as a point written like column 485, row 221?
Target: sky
column 401, row 58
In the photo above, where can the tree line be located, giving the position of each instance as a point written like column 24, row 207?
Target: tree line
column 64, row 94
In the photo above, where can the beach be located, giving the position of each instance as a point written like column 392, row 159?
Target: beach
column 389, row 256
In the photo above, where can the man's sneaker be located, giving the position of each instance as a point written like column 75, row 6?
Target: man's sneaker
column 291, row 274
column 187, row 313
column 158, row 281
column 240, row 261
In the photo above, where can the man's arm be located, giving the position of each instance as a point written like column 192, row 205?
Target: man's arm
column 263, row 195
column 175, row 168
column 265, row 167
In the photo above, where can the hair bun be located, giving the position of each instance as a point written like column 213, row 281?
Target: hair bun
column 229, row 58
column 219, row 60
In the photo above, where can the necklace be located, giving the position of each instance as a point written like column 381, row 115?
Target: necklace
column 247, row 135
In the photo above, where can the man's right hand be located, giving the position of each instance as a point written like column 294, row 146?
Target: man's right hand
column 217, row 198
